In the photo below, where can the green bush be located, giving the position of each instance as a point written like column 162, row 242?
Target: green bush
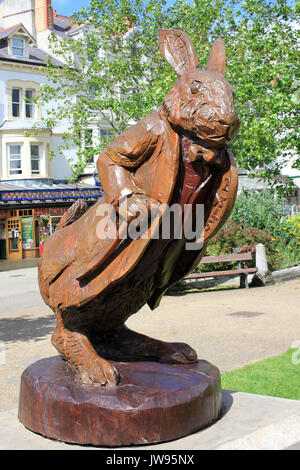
column 263, row 210
column 288, row 245
column 258, row 218
column 233, row 236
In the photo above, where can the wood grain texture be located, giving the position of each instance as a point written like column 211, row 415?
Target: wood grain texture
column 179, row 154
column 232, row 257
column 229, row 272
column 155, row 403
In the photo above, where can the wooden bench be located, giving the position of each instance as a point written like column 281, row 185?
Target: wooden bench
column 239, row 257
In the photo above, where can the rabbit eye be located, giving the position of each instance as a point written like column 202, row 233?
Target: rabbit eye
column 195, row 87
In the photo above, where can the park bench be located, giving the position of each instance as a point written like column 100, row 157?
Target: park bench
column 242, row 272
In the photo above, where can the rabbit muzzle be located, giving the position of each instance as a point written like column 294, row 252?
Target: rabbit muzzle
column 216, row 136
column 215, row 131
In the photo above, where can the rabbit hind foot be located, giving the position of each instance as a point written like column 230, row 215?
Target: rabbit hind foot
column 76, row 348
column 126, row 345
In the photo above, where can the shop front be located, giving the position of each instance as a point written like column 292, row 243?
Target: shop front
column 28, row 217
column 47, row 221
column 24, row 231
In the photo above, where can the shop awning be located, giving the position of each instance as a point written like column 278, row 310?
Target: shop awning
column 53, row 192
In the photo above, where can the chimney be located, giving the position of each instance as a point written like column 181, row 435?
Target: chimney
column 43, row 15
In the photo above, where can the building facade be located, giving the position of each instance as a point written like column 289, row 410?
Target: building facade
column 34, row 189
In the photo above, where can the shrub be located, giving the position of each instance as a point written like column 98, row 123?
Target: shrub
column 288, row 245
column 233, row 236
column 263, row 210
column 258, row 218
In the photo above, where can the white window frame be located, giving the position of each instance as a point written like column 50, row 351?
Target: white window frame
column 13, row 171
column 19, row 103
column 88, row 141
column 15, row 48
column 88, row 138
column 24, row 86
column 29, row 104
column 36, row 158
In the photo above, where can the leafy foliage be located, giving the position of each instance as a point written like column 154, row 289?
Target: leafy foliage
column 290, row 251
column 258, row 218
column 262, row 210
column 129, row 78
column 234, row 238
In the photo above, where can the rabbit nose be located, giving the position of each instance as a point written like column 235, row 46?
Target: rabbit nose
column 233, row 129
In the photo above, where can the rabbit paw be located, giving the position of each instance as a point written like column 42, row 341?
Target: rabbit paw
column 98, row 372
column 178, row 353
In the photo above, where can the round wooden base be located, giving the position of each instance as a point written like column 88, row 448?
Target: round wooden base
column 153, row 403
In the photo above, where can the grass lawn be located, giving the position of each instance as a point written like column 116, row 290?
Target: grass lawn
column 277, row 377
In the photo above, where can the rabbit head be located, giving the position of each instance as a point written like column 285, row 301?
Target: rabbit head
column 201, row 101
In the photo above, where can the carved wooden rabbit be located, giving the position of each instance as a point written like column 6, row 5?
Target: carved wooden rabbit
column 179, row 154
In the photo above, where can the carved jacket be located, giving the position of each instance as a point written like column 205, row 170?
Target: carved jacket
column 77, row 266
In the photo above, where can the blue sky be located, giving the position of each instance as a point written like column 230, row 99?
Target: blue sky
column 67, row 7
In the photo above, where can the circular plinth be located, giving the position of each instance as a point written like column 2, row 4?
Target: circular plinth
column 153, row 403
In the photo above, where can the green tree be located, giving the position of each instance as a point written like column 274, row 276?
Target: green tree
column 129, row 78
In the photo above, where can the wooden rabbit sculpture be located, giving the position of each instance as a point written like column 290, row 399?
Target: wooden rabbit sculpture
column 177, row 155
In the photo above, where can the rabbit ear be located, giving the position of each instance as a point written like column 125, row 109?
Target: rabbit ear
column 217, row 57
column 178, row 50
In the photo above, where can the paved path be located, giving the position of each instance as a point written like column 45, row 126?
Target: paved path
column 19, row 290
column 9, row 264
column 211, row 322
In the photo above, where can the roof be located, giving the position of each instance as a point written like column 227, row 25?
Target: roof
column 64, row 25
column 62, row 21
column 42, row 191
column 4, row 33
column 33, row 185
column 36, row 56
column 16, row 125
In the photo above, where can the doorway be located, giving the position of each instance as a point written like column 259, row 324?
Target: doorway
column 13, row 238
